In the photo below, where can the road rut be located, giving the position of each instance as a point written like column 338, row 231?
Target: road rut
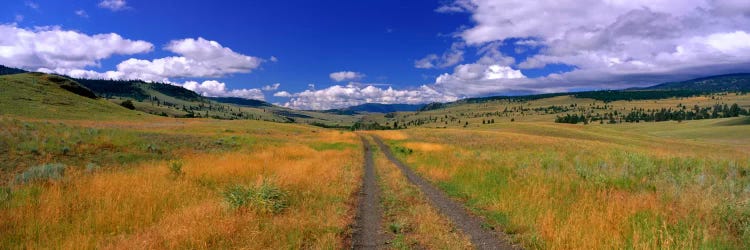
column 368, row 232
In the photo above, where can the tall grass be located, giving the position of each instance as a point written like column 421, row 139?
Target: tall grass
column 141, row 206
column 411, row 220
column 592, row 189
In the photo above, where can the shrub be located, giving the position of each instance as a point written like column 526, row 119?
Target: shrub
column 238, row 196
column 266, row 198
column 270, row 198
column 175, row 169
column 396, row 227
column 5, row 194
column 91, row 168
column 403, row 150
column 51, row 171
column 128, row 104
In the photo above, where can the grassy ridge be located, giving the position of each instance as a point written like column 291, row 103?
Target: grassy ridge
column 36, row 95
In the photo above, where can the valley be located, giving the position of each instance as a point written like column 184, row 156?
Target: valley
column 79, row 170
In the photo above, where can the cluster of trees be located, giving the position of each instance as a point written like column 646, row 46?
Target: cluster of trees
column 697, row 113
column 658, row 115
column 360, row 125
column 573, row 119
column 553, row 109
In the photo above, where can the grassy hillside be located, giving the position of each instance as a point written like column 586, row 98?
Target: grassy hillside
column 53, row 97
column 22, row 90
column 731, row 82
column 549, row 109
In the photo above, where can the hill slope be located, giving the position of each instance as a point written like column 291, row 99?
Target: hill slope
column 54, row 97
column 731, row 82
column 45, row 96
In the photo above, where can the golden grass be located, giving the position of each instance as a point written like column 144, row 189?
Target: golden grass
column 589, row 188
column 143, row 207
column 421, row 225
column 423, row 146
column 391, row 134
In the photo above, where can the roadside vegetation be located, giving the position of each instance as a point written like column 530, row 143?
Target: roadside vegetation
column 589, row 187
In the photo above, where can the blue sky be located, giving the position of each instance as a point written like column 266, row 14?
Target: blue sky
column 384, row 51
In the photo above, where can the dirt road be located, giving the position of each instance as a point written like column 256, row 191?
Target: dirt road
column 368, row 232
column 471, row 225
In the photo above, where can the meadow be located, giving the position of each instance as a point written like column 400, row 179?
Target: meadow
column 81, row 172
column 175, row 183
column 553, row 186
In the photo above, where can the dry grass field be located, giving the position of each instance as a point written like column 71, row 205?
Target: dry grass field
column 176, row 184
column 556, row 186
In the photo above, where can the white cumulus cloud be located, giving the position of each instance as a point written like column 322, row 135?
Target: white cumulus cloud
column 197, row 58
column 53, row 47
column 473, row 79
column 212, row 88
column 271, row 87
column 339, row 96
column 608, row 44
column 345, row 76
column 282, row 94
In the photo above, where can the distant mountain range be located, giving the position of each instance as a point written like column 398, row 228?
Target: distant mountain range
column 376, row 108
column 242, row 101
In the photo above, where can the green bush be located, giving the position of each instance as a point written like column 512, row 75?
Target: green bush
column 52, row 171
column 238, row 196
column 266, row 198
column 175, row 169
column 5, row 194
column 91, row 168
column 128, row 104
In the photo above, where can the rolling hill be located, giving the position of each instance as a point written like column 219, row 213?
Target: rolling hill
column 152, row 98
column 175, row 101
column 54, row 97
column 730, row 82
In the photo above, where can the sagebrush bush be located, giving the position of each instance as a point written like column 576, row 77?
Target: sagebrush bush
column 175, row 169
column 91, row 168
column 52, row 171
column 5, row 194
column 267, row 197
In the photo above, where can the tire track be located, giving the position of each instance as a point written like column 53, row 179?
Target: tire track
column 471, row 225
column 367, row 230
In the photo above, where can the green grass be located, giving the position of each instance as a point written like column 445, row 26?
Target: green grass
column 332, row 146
column 35, row 95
